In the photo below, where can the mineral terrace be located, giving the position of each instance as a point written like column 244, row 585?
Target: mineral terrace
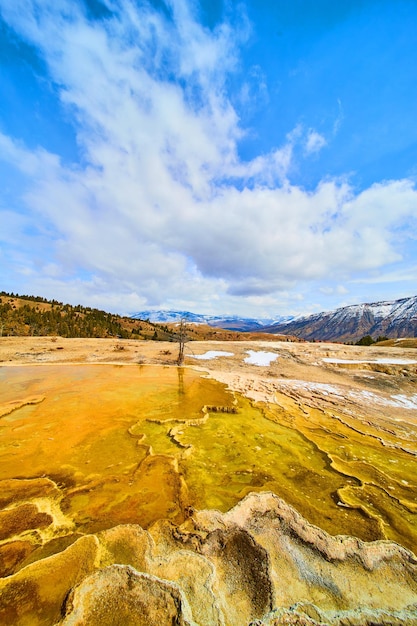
column 263, row 483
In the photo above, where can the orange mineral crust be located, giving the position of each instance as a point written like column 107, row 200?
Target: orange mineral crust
column 94, row 456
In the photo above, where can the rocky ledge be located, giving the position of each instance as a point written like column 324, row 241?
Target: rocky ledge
column 260, row 563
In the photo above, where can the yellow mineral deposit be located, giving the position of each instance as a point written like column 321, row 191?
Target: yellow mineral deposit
column 101, row 435
column 86, row 448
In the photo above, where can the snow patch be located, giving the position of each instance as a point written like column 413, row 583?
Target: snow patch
column 211, row 354
column 388, row 361
column 323, row 388
column 406, row 402
column 397, row 361
column 260, row 358
column 398, row 401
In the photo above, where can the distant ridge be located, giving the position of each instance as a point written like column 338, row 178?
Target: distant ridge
column 394, row 319
column 241, row 324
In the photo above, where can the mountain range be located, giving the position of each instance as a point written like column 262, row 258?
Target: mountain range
column 231, row 322
column 394, row 319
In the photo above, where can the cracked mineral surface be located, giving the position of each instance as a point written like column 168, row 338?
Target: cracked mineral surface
column 229, row 491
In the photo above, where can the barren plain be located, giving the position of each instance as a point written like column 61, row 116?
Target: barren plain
column 262, row 482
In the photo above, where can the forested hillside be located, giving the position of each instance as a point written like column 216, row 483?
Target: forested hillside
column 26, row 316
column 32, row 315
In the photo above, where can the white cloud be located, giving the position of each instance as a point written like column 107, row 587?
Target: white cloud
column 338, row 289
column 254, row 90
column 163, row 208
column 315, row 142
column 339, row 118
column 399, row 275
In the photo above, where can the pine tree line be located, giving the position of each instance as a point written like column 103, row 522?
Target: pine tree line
column 28, row 316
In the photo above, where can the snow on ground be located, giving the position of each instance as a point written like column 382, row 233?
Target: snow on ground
column 406, row 402
column 260, row 358
column 323, row 388
column 211, row 354
column 389, row 361
column 397, row 361
column 400, row 401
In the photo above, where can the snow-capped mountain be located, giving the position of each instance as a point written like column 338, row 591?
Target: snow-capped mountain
column 227, row 322
column 396, row 318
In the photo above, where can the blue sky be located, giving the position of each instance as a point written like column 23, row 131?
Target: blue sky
column 256, row 158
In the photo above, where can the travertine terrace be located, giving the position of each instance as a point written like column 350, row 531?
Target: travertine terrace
column 264, row 483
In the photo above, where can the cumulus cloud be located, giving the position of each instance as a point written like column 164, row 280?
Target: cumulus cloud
column 162, row 206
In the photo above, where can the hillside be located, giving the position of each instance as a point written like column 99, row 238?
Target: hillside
column 24, row 316
column 35, row 316
column 394, row 319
